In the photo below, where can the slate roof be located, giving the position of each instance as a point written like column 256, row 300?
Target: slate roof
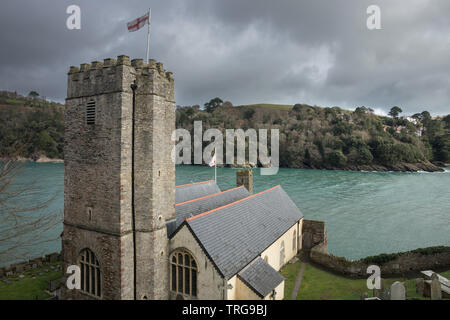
column 235, row 234
column 193, row 207
column 195, row 190
column 260, row 277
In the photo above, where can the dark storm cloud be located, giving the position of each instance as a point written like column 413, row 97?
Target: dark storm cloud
column 246, row 51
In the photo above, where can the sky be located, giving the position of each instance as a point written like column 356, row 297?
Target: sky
column 245, row 51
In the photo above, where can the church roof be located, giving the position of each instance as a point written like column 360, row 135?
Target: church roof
column 260, row 277
column 193, row 207
column 195, row 190
column 235, row 234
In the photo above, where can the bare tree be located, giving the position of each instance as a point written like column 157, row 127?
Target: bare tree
column 23, row 227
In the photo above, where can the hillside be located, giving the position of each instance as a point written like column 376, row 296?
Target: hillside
column 310, row 136
column 332, row 138
column 31, row 128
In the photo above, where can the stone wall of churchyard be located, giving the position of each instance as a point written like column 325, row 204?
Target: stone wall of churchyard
column 390, row 264
column 20, row 267
column 313, row 234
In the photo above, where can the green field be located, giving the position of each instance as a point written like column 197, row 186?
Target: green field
column 32, row 286
column 318, row 284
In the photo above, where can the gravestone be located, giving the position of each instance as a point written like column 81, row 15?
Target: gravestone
column 19, row 268
column 398, row 291
column 420, row 285
column 385, row 294
column 379, row 292
column 436, row 291
column 53, row 285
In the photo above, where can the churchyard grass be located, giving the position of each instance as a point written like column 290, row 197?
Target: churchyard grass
column 290, row 273
column 27, row 288
column 318, row 284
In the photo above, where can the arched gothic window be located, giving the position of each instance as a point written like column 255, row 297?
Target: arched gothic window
column 282, row 253
column 183, row 273
column 91, row 276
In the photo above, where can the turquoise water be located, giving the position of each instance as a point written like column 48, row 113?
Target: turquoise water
column 366, row 213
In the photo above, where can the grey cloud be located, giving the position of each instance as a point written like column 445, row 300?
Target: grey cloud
column 246, row 51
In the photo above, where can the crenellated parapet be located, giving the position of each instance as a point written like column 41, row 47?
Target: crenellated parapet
column 117, row 75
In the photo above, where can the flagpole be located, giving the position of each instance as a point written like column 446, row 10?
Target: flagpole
column 148, row 33
column 215, row 166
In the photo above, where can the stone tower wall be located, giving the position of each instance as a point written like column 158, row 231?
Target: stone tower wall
column 244, row 178
column 98, row 174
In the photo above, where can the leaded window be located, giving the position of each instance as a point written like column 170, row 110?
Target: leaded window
column 183, row 273
column 91, row 276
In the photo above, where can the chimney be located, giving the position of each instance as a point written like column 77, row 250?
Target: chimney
column 244, row 178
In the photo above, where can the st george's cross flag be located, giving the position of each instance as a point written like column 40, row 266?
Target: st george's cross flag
column 135, row 25
column 213, row 160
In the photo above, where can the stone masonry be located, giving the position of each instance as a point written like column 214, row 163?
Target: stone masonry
column 99, row 180
column 244, row 178
column 314, row 233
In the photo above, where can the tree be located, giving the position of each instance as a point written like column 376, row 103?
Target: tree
column 395, row 111
column 248, row 113
column 213, row 104
column 426, row 116
column 33, row 94
column 361, row 110
column 22, row 226
column 447, row 121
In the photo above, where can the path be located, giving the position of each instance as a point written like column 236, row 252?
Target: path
column 298, row 282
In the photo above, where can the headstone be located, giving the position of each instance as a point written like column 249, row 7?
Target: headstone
column 378, row 292
column 53, row 285
column 436, row 291
column 398, row 291
column 19, row 268
column 419, row 285
column 21, row 276
column 9, row 273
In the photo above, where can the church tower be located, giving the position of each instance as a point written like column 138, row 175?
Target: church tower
column 119, row 178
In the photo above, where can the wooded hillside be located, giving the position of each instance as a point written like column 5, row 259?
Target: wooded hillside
column 310, row 136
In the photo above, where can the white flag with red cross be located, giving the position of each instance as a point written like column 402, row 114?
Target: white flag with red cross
column 135, row 25
column 213, row 161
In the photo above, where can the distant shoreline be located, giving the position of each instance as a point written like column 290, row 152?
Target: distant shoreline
column 403, row 167
column 38, row 160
